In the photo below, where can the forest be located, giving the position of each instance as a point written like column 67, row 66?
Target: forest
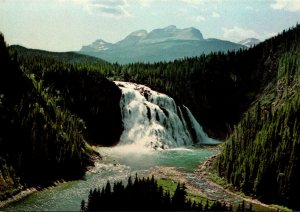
column 145, row 195
column 261, row 157
column 250, row 98
column 46, row 131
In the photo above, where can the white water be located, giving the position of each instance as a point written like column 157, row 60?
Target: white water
column 152, row 119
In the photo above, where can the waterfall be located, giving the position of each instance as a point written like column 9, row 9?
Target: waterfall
column 152, row 119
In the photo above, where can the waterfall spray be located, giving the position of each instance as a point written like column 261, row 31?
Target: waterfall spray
column 152, row 119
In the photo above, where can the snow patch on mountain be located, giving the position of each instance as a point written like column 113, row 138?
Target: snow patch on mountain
column 249, row 42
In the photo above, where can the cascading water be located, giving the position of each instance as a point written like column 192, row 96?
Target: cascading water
column 152, row 119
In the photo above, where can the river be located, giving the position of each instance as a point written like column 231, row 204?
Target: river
column 117, row 164
column 157, row 134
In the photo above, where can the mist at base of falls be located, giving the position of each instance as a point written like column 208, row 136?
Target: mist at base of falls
column 152, row 122
column 152, row 119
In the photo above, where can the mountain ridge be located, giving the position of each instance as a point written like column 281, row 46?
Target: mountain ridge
column 249, row 42
column 163, row 44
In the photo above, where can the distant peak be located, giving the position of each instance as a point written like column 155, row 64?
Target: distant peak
column 171, row 27
column 97, row 45
column 101, row 41
column 139, row 33
column 251, row 39
column 249, row 42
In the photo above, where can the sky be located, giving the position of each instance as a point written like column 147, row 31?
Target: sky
column 67, row 25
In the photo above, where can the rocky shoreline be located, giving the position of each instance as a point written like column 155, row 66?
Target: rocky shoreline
column 22, row 194
column 199, row 183
column 203, row 171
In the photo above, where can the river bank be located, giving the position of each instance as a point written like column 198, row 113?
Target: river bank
column 204, row 172
column 199, row 185
column 22, row 194
column 25, row 192
column 116, row 165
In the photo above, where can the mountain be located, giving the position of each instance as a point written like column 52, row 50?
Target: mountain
column 165, row 44
column 249, row 42
column 98, row 45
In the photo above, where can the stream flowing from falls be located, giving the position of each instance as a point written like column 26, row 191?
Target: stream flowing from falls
column 157, row 133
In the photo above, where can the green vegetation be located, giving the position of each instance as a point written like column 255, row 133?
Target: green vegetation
column 262, row 155
column 282, row 208
column 75, row 83
column 145, row 194
column 170, row 185
column 44, row 129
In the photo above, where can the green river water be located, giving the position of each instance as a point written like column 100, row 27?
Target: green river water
column 117, row 164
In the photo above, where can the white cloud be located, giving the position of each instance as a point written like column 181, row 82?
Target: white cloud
column 199, row 19
column 237, row 34
column 201, row 2
column 145, row 3
column 111, row 8
column 193, row 1
column 215, row 15
column 289, row 5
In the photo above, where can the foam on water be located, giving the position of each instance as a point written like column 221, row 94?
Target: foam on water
column 152, row 119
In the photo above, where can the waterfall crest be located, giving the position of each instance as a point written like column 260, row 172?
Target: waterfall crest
column 152, row 119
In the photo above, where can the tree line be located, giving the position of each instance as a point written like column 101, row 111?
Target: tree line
column 262, row 156
column 144, row 195
column 50, row 111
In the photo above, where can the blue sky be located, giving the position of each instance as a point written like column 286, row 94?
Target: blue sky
column 64, row 25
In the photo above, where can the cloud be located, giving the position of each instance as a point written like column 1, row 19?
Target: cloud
column 108, row 7
column 199, row 19
column 215, row 15
column 289, row 5
column 201, row 2
column 193, row 1
column 145, row 3
column 237, row 34
column 111, row 8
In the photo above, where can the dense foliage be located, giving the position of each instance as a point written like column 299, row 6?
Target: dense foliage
column 76, row 83
column 144, row 195
column 44, row 129
column 262, row 157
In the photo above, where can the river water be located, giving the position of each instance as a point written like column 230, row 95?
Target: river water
column 157, row 132
column 117, row 164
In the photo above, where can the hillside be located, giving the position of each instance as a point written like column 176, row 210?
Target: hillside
column 43, row 130
column 262, row 155
column 70, row 57
column 166, row 44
